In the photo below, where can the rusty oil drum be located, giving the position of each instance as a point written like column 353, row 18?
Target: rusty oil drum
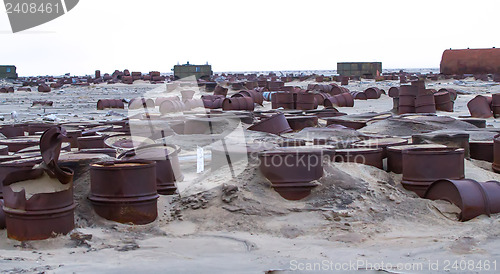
column 472, row 197
column 366, row 156
column 395, row 155
column 124, row 191
column 496, row 155
column 42, row 215
column 421, row 167
column 167, row 164
column 291, row 171
column 2, row 215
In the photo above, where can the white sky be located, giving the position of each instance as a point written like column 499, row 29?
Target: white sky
column 242, row 35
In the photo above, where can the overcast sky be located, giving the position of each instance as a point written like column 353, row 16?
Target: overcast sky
column 239, row 35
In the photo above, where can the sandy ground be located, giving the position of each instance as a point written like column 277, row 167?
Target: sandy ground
column 357, row 219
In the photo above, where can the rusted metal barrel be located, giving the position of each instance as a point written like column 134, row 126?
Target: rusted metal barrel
column 340, row 100
column 10, row 131
column 338, row 90
column 42, row 103
column 344, row 80
column 472, row 197
column 2, row 215
column 394, row 92
column 276, row 124
column 110, row 103
column 219, row 90
column 395, row 155
column 129, row 80
column 35, row 214
column 238, row 103
column 421, row 167
column 160, row 100
column 305, row 101
column 482, row 150
column 496, row 155
column 43, row 88
column 470, row 61
column 348, row 99
column 16, row 144
column 203, row 125
column 10, row 165
column 257, row 97
column 291, row 171
column 168, row 170
column 297, row 123
column 187, row 94
column 359, row 95
column 87, row 142
column 443, row 101
column 366, row 156
column 480, row 107
column 43, row 214
column 373, row 93
column 4, row 150
column 72, row 137
column 407, row 97
column 171, row 106
column 495, row 104
column 212, row 101
column 282, row 100
column 424, row 103
column 117, row 195
column 381, row 143
column 137, row 103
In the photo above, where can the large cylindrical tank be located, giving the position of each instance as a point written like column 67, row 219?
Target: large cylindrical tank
column 470, row 61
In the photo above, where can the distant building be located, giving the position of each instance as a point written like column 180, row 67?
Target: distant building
column 186, row 70
column 8, row 72
column 361, row 69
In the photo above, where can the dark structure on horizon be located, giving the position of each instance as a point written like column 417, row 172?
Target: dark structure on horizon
column 8, row 72
column 360, row 69
column 186, row 70
column 470, row 61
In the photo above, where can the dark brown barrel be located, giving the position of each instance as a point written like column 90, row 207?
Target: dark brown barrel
column 424, row 103
column 116, row 194
column 283, row 99
column 421, row 167
column 291, row 171
column 276, row 124
column 496, row 155
column 443, row 101
column 480, row 107
column 88, row 142
column 137, row 103
column 168, row 170
column 238, row 103
column 394, row 92
column 110, row 103
column 472, row 197
column 373, row 93
column 43, row 88
column 495, row 104
column 366, row 156
column 306, row 101
column 171, row 106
